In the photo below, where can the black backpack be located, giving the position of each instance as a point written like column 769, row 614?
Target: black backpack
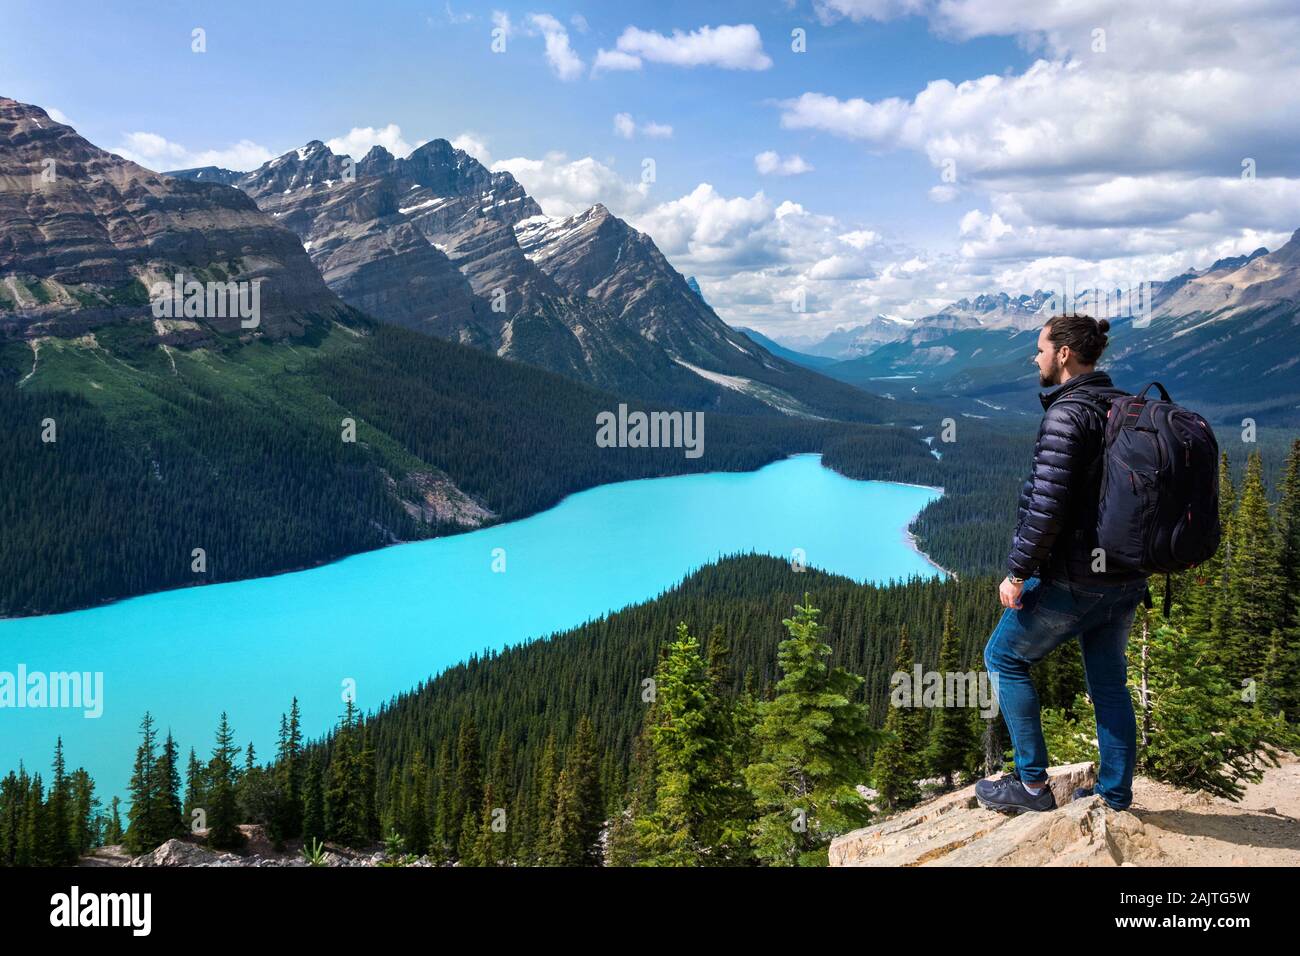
column 1159, row 506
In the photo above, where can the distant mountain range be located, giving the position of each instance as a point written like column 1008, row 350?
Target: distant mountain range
column 1224, row 338
column 439, row 243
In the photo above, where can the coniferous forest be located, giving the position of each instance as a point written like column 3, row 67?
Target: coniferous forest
column 728, row 722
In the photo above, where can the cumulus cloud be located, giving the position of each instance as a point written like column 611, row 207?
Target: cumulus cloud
column 627, row 128
column 1120, row 148
column 475, row 145
column 729, row 47
column 563, row 186
column 614, row 60
column 770, row 163
column 158, row 153
column 359, row 140
column 565, row 63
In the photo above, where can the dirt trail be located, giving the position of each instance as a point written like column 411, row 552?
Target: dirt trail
column 1262, row 829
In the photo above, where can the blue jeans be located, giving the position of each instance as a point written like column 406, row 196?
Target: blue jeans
column 1100, row 616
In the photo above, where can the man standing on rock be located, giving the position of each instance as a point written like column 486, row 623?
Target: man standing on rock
column 1057, row 586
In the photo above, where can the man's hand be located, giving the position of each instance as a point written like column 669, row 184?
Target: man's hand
column 1009, row 594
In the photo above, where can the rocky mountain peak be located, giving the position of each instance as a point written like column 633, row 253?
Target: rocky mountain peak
column 85, row 235
column 1289, row 253
column 377, row 162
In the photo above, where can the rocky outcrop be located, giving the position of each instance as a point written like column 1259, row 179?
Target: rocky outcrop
column 954, row 830
column 84, row 234
column 1164, row 826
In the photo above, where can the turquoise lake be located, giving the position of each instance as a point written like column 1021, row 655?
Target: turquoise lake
column 388, row 619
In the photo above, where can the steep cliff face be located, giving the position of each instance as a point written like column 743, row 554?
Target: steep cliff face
column 84, row 234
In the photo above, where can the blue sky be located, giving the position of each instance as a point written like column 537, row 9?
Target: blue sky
column 870, row 110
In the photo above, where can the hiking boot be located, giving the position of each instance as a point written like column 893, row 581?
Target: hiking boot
column 1008, row 795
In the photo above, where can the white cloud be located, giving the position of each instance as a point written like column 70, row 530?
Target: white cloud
column 828, row 11
column 579, row 23
column 501, row 21
column 613, row 60
column 730, row 47
column 1120, row 148
column 158, row 153
column 565, row 63
column 563, row 187
column 770, row 163
column 627, row 128
column 475, row 145
column 859, row 238
column 57, row 115
column 360, row 139
column 624, row 126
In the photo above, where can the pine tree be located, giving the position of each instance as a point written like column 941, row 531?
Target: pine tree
column 168, row 813
column 1254, row 582
column 31, row 832
column 697, row 817
column 468, row 842
column 489, row 848
column 59, row 848
column 952, row 736
column 444, row 793
column 313, row 802
column 1284, row 660
column 113, row 831
column 1288, row 537
column 195, row 787
column 578, row 817
column 223, row 803
column 736, row 717
column 1207, row 613
column 898, row 760
column 413, row 823
column 624, row 847
column 543, row 815
column 813, row 738
column 1197, row 731
column 85, row 815
column 367, row 780
column 468, row 795
column 288, row 777
column 346, row 806
column 1276, row 694
column 143, row 832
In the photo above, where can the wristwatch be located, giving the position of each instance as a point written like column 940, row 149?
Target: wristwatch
column 1015, row 580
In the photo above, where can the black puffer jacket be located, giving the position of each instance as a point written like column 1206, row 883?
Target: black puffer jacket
column 1056, row 528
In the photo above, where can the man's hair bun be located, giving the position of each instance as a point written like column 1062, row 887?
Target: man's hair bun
column 1085, row 336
